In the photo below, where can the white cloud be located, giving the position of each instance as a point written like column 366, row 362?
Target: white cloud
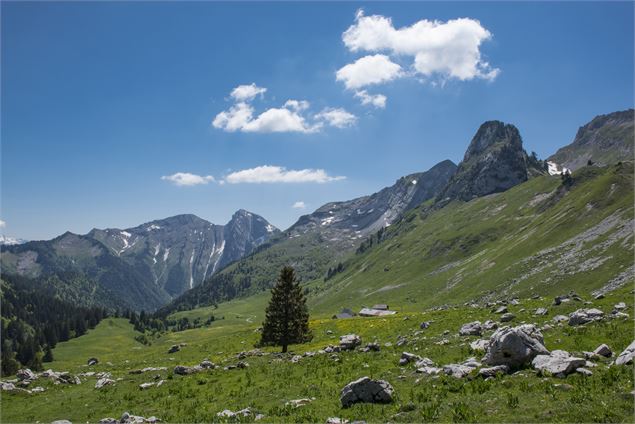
column 2, row 224
column 377, row 100
column 292, row 117
column 374, row 69
column 297, row 105
column 279, row 120
column 337, row 117
column 187, row 179
column 447, row 49
column 278, row 174
column 299, row 205
column 245, row 93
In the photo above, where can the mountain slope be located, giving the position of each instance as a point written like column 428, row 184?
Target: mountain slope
column 607, row 139
column 538, row 237
column 141, row 267
column 494, row 161
column 320, row 239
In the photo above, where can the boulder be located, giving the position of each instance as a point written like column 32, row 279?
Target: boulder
column 627, row 356
column 350, row 341
column 603, row 350
column 184, row 370
column 407, row 357
column 515, row 346
column 371, row 347
column 479, row 345
column 92, row 361
column 507, row 317
column 558, row 364
column 584, row 371
column 471, row 329
column 174, row 349
column 102, row 382
column 424, row 362
column 560, row 318
column 490, row 325
column 207, row 364
column 424, row 325
column 144, row 386
column 541, row 311
column 7, row 387
column 457, row 370
column 25, row 374
column 501, row 310
column 296, row 358
column 620, row 306
column 67, row 378
column 583, row 316
column 493, row 371
column 336, row 420
column 429, row 370
column 367, row 391
column 61, row 422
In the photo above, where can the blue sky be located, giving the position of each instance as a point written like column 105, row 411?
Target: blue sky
column 102, row 100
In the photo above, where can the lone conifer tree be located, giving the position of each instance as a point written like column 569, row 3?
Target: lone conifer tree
column 287, row 316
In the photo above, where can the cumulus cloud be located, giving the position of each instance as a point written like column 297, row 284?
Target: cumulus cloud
column 2, row 224
column 377, row 100
column 299, row 205
column 278, row 174
column 336, row 117
column 433, row 51
column 245, row 93
column 292, row 117
column 448, row 49
column 187, row 179
column 368, row 70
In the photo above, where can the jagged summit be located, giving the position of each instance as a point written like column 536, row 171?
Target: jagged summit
column 494, row 161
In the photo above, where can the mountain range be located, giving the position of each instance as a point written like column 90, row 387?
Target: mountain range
column 184, row 261
column 145, row 266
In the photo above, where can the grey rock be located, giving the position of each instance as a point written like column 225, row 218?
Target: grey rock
column 541, row 311
column 558, row 364
column 515, row 346
column 424, row 325
column 25, row 374
column 428, row 370
column 184, row 370
column 584, row 371
column 626, row 357
column 490, row 325
column 92, row 361
column 471, row 329
column 350, row 341
column 493, row 371
column 560, row 318
column 407, row 357
column 507, row 317
column 479, row 345
column 365, row 390
column 583, row 316
column 501, row 310
column 103, row 382
column 620, row 306
column 603, row 350
column 174, row 349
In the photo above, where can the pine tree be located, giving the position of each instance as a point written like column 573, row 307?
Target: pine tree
column 287, row 316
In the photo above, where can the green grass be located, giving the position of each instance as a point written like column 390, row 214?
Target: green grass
column 270, row 381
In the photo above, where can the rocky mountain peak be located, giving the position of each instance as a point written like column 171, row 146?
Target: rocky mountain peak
column 494, row 161
column 491, row 133
column 606, row 139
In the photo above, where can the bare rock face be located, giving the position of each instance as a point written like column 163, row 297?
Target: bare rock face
column 367, row 391
column 495, row 161
column 515, row 347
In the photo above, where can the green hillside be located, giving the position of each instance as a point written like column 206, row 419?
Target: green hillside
column 271, row 380
column 539, row 237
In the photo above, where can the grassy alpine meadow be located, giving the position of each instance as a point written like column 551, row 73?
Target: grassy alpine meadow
column 272, row 380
